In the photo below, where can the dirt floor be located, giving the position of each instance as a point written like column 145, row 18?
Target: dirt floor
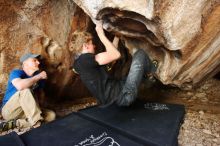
column 201, row 126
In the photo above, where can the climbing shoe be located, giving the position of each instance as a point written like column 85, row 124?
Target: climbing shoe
column 151, row 75
column 5, row 126
column 154, row 66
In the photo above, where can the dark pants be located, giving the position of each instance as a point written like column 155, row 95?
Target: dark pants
column 140, row 66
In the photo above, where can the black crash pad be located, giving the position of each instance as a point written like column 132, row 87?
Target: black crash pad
column 11, row 139
column 148, row 123
column 142, row 124
column 75, row 131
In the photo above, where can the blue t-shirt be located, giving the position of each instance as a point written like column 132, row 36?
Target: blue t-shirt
column 11, row 90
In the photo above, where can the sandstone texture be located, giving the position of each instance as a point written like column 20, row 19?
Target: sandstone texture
column 184, row 36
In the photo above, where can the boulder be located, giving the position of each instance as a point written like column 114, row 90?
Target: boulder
column 183, row 36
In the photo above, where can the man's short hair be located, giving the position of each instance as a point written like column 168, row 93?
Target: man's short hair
column 79, row 38
column 27, row 56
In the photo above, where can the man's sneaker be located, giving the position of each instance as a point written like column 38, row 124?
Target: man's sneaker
column 5, row 126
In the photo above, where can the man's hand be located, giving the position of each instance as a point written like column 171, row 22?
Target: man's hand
column 42, row 75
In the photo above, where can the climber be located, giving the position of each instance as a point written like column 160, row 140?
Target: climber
column 90, row 67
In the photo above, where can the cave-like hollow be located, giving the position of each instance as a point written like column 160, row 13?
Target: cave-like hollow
column 64, row 88
column 132, row 30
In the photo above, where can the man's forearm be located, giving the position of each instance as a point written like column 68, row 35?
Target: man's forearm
column 107, row 43
column 27, row 83
column 116, row 41
column 22, row 84
column 111, row 53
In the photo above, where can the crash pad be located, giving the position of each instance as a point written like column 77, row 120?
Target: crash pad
column 151, row 123
column 141, row 124
column 74, row 130
column 11, row 139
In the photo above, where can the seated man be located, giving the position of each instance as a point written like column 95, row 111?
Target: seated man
column 90, row 68
column 19, row 107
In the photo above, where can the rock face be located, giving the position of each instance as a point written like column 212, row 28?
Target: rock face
column 43, row 27
column 184, row 36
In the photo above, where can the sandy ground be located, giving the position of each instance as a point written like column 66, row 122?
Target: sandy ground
column 201, row 126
